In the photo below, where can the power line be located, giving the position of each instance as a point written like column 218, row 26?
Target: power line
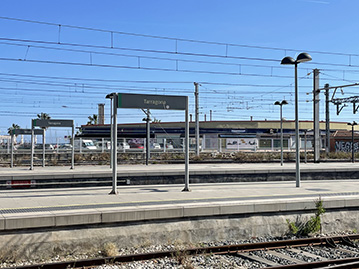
column 142, row 68
column 176, row 39
column 142, row 56
column 139, row 57
column 171, row 52
column 96, row 79
column 142, row 50
column 149, row 81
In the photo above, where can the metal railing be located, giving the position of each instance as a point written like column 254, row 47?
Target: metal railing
column 173, row 145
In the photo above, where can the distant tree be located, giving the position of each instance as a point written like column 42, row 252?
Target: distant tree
column 92, row 120
column 156, row 120
column 78, row 132
column 43, row 116
column 13, row 126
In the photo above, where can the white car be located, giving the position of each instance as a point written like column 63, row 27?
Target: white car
column 123, row 145
column 105, row 145
column 155, row 146
column 87, row 144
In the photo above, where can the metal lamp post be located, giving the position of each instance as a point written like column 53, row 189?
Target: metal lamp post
column 352, row 125
column 278, row 103
column 302, row 57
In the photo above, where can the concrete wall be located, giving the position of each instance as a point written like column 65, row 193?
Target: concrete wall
column 91, row 238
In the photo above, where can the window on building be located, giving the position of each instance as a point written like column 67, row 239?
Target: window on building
column 265, row 143
column 276, row 143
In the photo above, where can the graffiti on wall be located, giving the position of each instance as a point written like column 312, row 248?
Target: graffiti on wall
column 346, row 146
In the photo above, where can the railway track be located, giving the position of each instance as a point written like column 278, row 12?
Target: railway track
column 318, row 252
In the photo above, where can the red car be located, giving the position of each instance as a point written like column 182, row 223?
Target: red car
column 135, row 146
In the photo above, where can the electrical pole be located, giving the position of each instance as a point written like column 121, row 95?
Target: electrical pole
column 316, row 127
column 327, row 127
column 147, row 119
column 196, row 116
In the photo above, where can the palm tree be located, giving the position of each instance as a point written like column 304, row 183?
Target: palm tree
column 92, row 120
column 13, row 127
column 43, row 116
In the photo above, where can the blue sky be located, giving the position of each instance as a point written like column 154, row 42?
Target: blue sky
column 245, row 83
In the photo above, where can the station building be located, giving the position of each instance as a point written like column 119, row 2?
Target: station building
column 225, row 135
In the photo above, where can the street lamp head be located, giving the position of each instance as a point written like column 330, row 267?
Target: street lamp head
column 283, row 102
column 110, row 95
column 287, row 60
column 352, row 123
column 303, row 57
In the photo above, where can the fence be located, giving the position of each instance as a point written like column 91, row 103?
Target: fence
column 164, row 145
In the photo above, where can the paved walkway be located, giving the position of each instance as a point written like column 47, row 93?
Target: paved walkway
column 32, row 208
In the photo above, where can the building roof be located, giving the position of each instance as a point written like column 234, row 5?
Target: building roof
column 344, row 134
column 262, row 124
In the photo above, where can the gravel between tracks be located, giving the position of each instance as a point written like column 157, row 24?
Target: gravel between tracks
column 199, row 261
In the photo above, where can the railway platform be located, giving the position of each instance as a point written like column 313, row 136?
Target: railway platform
column 140, row 212
column 154, row 174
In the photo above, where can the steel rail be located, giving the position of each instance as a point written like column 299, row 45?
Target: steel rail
column 339, row 263
column 220, row 250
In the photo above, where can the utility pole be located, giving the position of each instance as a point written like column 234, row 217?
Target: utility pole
column 327, row 127
column 148, row 130
column 316, row 126
column 196, row 116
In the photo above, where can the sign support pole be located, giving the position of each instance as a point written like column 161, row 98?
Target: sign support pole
column 73, row 147
column 111, row 124
column 197, row 117
column 186, row 187
column 12, row 151
column 114, row 143
column 32, row 146
column 43, row 147
column 148, row 130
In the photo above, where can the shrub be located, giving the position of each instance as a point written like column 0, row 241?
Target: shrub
column 110, row 249
column 313, row 225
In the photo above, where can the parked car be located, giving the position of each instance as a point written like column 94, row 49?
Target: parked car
column 47, row 146
column 135, row 145
column 22, row 147
column 168, row 146
column 87, row 144
column 65, row 147
column 155, row 146
column 105, row 145
column 123, row 145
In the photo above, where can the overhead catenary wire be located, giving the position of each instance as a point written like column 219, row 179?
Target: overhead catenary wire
column 83, row 80
column 176, row 39
column 213, row 99
column 176, row 53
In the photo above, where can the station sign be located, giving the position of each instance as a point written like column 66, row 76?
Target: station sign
column 52, row 123
column 26, row 132
column 145, row 101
